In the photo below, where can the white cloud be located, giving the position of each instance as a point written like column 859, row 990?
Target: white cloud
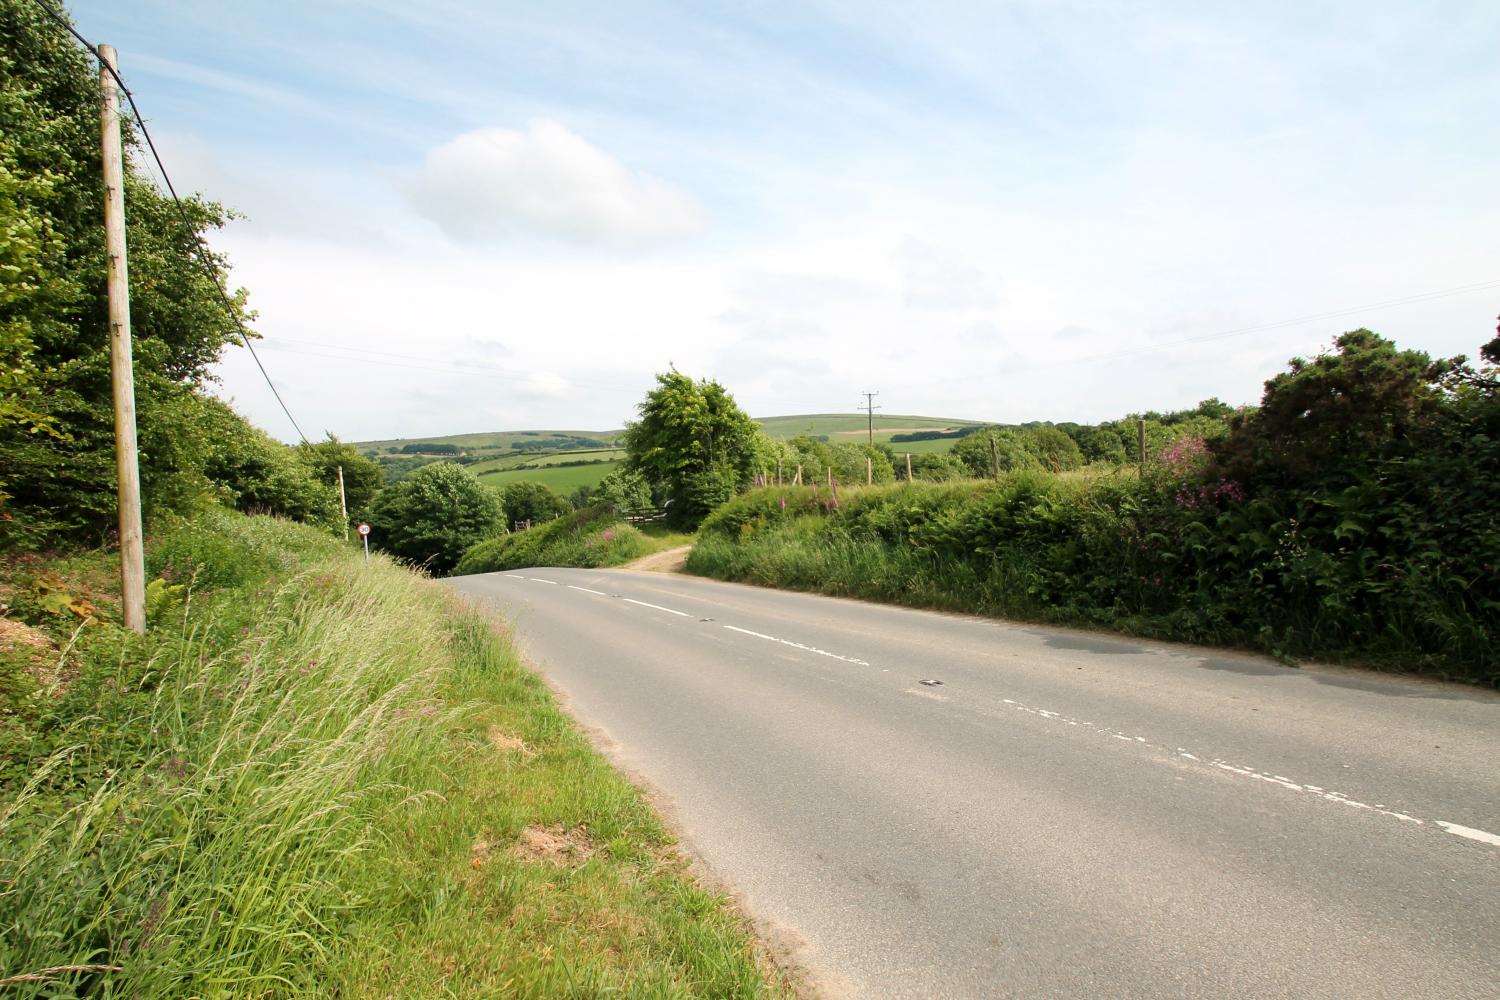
column 545, row 386
column 491, row 183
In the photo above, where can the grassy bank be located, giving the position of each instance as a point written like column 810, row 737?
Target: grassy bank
column 587, row 538
column 1120, row 552
column 317, row 777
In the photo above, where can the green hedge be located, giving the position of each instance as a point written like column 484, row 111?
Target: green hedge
column 1372, row 573
column 587, row 538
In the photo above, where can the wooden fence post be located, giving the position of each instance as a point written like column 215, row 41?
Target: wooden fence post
column 908, row 467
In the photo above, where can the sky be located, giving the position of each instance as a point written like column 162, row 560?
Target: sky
column 470, row 216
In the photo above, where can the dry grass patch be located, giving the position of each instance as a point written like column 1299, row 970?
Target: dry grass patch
column 505, row 742
column 554, row 845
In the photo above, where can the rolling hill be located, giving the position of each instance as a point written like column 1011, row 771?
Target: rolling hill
column 567, row 459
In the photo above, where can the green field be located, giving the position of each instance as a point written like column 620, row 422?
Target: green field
column 853, row 427
column 484, row 441
column 838, row 427
column 562, row 480
column 500, row 461
column 505, row 463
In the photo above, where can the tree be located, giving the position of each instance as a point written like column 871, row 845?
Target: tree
column 56, row 422
column 692, row 442
column 849, row 463
column 1098, row 444
column 432, row 518
column 532, row 502
column 624, row 490
column 1010, row 445
column 1054, row 449
column 940, row 467
column 363, row 478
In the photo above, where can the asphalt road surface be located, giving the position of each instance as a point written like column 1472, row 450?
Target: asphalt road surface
column 940, row 806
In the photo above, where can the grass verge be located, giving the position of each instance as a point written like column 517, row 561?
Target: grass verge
column 586, row 538
column 316, row 777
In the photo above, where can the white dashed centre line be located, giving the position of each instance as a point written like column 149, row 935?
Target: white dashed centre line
column 588, row 591
column 658, row 607
column 797, row 645
column 1470, row 832
column 537, row 579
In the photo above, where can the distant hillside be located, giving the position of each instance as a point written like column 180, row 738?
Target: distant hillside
column 853, row 427
column 565, row 460
column 838, row 426
column 490, row 440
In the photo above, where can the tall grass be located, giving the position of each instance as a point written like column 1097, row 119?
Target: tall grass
column 312, row 781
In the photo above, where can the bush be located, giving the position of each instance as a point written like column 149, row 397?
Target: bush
column 432, row 518
column 1368, row 574
column 532, row 503
column 623, row 490
column 587, row 538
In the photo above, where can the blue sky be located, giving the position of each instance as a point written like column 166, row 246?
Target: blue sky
column 470, row 216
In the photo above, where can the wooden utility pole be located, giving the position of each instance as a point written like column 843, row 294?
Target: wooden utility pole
column 343, row 504
column 870, row 409
column 1141, row 441
column 908, row 467
column 995, row 456
column 122, row 375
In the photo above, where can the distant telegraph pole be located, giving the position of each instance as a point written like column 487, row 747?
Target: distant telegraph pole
column 122, row 377
column 870, row 409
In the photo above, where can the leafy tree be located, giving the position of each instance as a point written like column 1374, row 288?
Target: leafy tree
column 434, row 516
column 624, row 490
column 1055, row 450
column 692, row 442
column 363, row 478
column 815, row 456
column 532, row 502
column 938, row 467
column 1010, row 445
column 1098, row 444
column 849, row 463
column 56, row 422
column 250, row 471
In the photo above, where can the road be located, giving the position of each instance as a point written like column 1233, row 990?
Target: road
column 941, row 806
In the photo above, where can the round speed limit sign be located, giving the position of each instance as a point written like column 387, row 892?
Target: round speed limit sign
column 364, row 530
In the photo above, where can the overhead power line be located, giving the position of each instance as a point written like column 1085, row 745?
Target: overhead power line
column 203, row 255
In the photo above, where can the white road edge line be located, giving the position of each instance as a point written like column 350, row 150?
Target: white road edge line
column 658, row 607
column 588, row 591
column 798, row 645
column 537, row 579
column 1470, row 832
